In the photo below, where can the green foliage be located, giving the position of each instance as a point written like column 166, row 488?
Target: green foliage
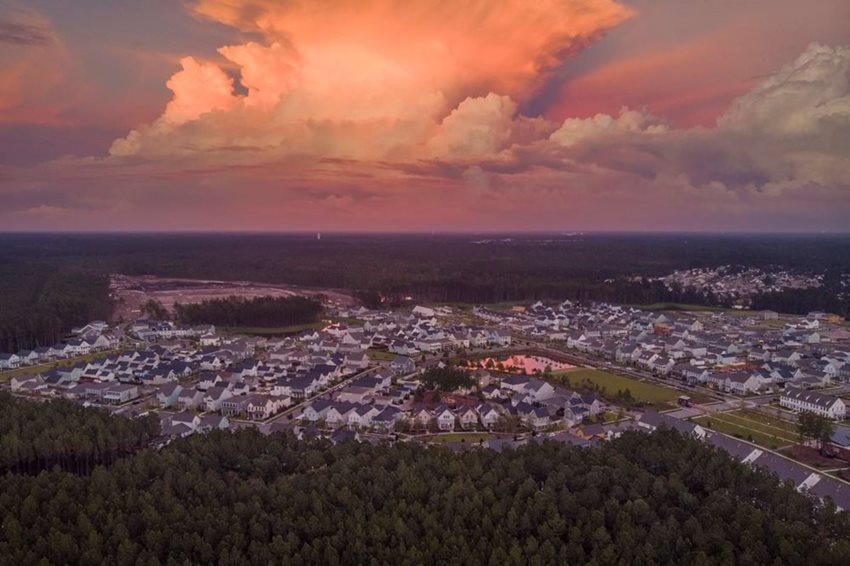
column 50, row 283
column 246, row 498
column 447, row 378
column 38, row 436
column 39, row 304
column 154, row 309
column 816, row 427
column 258, row 311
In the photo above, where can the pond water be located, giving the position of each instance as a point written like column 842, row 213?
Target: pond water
column 522, row 363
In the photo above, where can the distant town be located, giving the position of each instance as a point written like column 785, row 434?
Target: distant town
column 738, row 285
column 572, row 372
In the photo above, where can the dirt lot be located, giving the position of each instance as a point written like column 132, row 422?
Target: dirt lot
column 131, row 292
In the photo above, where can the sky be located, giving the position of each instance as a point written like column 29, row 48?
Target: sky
column 425, row 115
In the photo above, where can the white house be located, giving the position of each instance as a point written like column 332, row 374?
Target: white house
column 799, row 400
column 9, row 361
column 215, row 396
column 445, row 418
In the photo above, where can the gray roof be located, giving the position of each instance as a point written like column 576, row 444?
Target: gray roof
column 738, row 449
column 820, row 399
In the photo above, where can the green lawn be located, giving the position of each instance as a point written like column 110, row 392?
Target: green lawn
column 734, row 426
column 782, row 434
column 767, row 420
column 640, row 390
column 380, row 355
column 609, row 417
column 469, row 437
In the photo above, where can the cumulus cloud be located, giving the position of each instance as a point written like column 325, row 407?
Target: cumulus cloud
column 374, row 79
column 478, row 127
column 399, row 114
column 791, row 131
column 575, row 130
column 802, row 98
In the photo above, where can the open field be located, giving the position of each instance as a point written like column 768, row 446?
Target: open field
column 469, row 437
column 132, row 292
column 381, row 355
column 764, row 418
column 743, row 427
column 611, row 383
column 781, row 430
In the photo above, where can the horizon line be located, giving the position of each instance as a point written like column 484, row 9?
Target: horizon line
column 508, row 233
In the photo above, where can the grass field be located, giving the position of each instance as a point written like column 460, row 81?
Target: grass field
column 469, row 437
column 640, row 390
column 381, row 355
column 767, row 419
column 764, row 431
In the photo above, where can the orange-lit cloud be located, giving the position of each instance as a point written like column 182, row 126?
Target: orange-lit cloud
column 428, row 114
column 370, row 79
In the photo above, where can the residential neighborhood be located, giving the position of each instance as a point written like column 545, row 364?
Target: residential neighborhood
column 360, row 376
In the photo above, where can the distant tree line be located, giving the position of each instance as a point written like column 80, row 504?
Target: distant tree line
column 831, row 297
column 50, row 283
column 40, row 304
column 258, row 311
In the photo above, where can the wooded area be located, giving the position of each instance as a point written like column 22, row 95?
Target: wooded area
column 40, row 303
column 447, row 378
column 246, row 498
column 50, row 283
column 38, row 436
column 256, row 312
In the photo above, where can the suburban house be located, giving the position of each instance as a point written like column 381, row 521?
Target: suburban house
column 215, row 396
column 799, row 400
column 261, row 407
column 190, row 399
column 468, row 417
column 121, row 393
column 234, row 406
column 445, row 418
column 9, row 361
column 168, row 394
column 317, row 410
column 490, row 415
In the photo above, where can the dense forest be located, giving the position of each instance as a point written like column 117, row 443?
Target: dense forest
column 258, row 311
column 42, row 274
column 245, row 498
column 40, row 303
column 38, row 436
